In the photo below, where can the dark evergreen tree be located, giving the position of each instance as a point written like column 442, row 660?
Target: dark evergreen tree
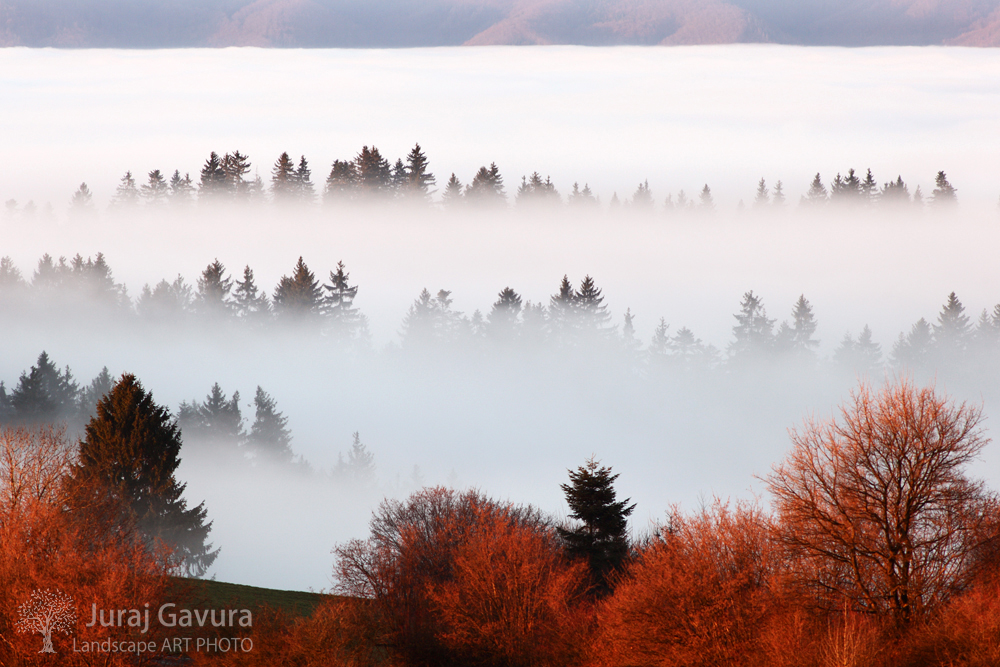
column 343, row 319
column 535, row 191
column 894, row 193
column 94, row 392
column 752, row 334
column 452, row 195
column 869, row 190
column 504, row 317
column 846, row 191
column 358, row 468
column 601, row 537
column 582, row 197
column 213, row 178
column 155, row 191
column 418, row 179
column 912, row 351
column 235, row 166
column 705, row 201
column 284, row 185
column 487, row 187
column 127, row 460
column 250, row 304
column 953, row 328
column 269, row 439
column 816, row 194
column 299, row 296
column 45, row 395
column 658, row 352
column 562, row 313
column 642, row 198
column 803, row 327
column 126, row 194
column 82, row 201
column 589, row 306
column 217, row 421
column 763, row 198
column 305, row 192
column 342, row 182
column 166, row 300
column 213, row 297
column 181, row 189
column 374, row 175
column 944, row 194
column 399, row 178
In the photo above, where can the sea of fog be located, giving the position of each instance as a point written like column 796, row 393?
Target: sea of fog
column 610, row 117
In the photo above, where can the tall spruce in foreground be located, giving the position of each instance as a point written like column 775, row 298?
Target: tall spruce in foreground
column 127, row 460
column 601, row 536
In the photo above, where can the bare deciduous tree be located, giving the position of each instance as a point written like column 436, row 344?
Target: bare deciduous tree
column 876, row 508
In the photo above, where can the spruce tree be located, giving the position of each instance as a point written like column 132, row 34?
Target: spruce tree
column 155, row 190
column 305, row 193
column 418, row 179
column 601, row 536
column 269, row 439
column 344, row 320
column 298, row 296
column 374, row 174
column 752, row 333
column 94, row 392
column 235, row 166
column 45, row 395
column 944, row 193
column 341, row 184
column 181, row 189
column 126, row 194
column 642, row 198
column 778, row 198
column 213, row 179
column 816, row 194
column 869, row 189
column 128, row 459
column 953, row 326
column 283, row 180
column 250, row 304
column 452, row 195
column 803, row 326
column 217, row 421
column 82, row 202
column 487, row 187
column 894, row 193
column 505, row 314
column 213, row 297
column 705, row 201
column 589, row 306
column 358, row 468
column 763, row 198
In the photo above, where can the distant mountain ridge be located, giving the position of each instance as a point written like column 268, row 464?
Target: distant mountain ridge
column 408, row 23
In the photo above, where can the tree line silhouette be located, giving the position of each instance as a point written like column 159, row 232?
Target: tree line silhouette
column 575, row 318
column 369, row 177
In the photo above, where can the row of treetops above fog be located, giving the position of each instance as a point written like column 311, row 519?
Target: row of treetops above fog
column 574, row 317
column 369, row 177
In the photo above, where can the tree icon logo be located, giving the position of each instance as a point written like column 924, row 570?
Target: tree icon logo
column 46, row 612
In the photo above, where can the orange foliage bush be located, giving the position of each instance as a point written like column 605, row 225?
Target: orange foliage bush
column 421, row 570
column 698, row 594
column 513, row 599
column 42, row 547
